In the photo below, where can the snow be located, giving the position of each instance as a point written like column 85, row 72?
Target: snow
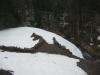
column 98, row 45
column 39, row 64
column 91, row 44
column 17, row 38
column 21, row 37
column 98, row 37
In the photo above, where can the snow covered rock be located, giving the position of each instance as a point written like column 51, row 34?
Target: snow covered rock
column 18, row 56
column 39, row 63
column 21, row 37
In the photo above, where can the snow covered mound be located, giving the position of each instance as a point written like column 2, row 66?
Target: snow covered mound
column 21, row 37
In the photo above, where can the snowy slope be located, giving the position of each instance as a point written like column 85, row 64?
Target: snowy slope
column 39, row 64
column 21, row 37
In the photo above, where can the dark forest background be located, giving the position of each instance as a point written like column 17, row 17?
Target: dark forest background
column 75, row 20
